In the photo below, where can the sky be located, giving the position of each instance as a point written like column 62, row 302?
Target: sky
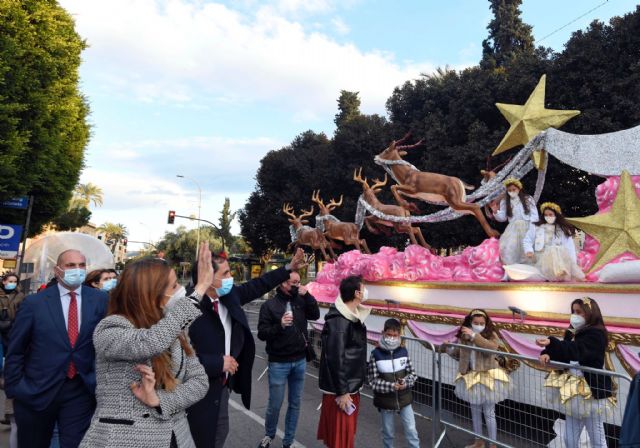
column 205, row 89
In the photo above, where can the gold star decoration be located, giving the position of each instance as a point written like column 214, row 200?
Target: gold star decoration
column 618, row 230
column 529, row 120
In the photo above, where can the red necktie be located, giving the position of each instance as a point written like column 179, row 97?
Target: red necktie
column 72, row 329
column 215, row 306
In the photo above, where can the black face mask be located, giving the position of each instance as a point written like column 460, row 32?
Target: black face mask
column 293, row 292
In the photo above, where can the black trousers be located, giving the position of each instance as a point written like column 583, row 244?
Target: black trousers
column 72, row 410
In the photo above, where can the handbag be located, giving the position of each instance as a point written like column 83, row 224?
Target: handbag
column 310, row 352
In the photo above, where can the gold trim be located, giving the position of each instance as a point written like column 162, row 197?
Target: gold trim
column 632, row 288
column 624, row 362
column 495, row 312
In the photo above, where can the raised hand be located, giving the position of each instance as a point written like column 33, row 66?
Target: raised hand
column 205, row 268
column 298, row 260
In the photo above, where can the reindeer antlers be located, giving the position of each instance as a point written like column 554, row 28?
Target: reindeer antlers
column 288, row 210
column 333, row 204
column 357, row 176
column 379, row 183
column 315, row 197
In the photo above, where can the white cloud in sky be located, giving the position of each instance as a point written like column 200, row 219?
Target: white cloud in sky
column 179, row 51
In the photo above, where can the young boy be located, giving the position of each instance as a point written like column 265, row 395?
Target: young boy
column 391, row 376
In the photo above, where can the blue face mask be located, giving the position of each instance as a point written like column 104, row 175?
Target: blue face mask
column 10, row 286
column 227, row 284
column 74, row 277
column 108, row 285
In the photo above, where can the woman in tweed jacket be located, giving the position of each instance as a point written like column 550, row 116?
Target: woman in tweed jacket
column 147, row 373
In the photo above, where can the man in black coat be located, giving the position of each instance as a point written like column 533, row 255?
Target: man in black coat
column 224, row 344
column 283, row 325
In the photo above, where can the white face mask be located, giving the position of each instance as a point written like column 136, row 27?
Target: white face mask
column 577, row 321
column 513, row 194
column 364, row 296
column 477, row 328
column 180, row 293
column 550, row 219
column 391, row 343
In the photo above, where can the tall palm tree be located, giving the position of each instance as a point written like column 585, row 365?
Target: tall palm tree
column 113, row 233
column 84, row 194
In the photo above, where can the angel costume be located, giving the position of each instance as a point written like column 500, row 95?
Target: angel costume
column 511, row 240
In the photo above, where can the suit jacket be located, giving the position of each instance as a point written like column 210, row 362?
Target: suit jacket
column 39, row 348
column 120, row 418
column 207, row 337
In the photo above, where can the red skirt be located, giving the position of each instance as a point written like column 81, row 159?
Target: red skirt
column 337, row 429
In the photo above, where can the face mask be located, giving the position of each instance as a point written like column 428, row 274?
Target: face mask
column 108, row 285
column 293, row 292
column 513, row 194
column 391, row 343
column 550, row 219
column 180, row 293
column 227, row 284
column 10, row 286
column 577, row 321
column 477, row 328
column 364, row 296
column 74, row 277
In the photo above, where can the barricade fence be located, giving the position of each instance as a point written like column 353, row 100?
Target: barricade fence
column 509, row 400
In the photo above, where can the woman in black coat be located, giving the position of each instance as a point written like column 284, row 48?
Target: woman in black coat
column 584, row 397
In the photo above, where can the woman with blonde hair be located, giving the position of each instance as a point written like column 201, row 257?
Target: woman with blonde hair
column 147, row 373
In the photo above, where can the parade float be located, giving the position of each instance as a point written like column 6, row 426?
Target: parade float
column 431, row 294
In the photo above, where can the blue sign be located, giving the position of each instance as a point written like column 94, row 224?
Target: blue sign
column 9, row 241
column 21, row 203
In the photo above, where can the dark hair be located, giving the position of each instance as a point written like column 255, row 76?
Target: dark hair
column 489, row 327
column 592, row 314
column 216, row 262
column 112, row 271
column 392, row 324
column 349, row 286
column 10, row 274
column 94, row 277
column 561, row 222
column 524, row 199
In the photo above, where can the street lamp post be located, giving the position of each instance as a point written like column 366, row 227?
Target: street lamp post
column 199, row 207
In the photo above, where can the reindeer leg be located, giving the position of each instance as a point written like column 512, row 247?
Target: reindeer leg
column 370, row 227
column 333, row 254
column 423, row 242
column 397, row 191
column 477, row 211
column 364, row 244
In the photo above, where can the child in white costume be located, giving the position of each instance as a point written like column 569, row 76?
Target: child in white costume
column 520, row 210
column 549, row 246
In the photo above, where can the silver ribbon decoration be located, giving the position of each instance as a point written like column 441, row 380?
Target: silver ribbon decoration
column 320, row 219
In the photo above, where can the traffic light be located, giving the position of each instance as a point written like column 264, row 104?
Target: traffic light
column 172, row 217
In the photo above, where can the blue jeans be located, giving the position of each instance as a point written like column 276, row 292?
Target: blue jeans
column 408, row 423
column 281, row 373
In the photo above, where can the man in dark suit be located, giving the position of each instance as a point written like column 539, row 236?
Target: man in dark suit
column 225, row 346
column 50, row 366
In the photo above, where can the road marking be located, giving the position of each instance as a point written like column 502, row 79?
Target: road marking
column 255, row 417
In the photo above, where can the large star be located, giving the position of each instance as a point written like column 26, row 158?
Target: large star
column 529, row 120
column 618, row 230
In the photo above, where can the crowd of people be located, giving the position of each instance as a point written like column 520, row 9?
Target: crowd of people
column 139, row 361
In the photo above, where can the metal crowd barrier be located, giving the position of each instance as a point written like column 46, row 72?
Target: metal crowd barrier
column 534, row 406
column 530, row 408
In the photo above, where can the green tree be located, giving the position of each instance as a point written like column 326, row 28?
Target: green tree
column 113, row 233
column 224, row 223
column 72, row 219
column 43, row 116
column 508, row 34
column 348, row 107
column 179, row 246
column 85, row 194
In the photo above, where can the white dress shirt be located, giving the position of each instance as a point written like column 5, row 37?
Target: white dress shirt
column 65, row 299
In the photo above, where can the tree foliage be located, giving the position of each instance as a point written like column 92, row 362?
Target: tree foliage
column 85, row 194
column 224, row 223
column 179, row 246
column 454, row 111
column 72, row 219
column 43, row 116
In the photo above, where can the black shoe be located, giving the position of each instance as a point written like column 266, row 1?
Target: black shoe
column 265, row 442
column 286, row 446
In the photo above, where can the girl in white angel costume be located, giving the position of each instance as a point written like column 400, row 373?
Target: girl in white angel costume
column 549, row 246
column 520, row 210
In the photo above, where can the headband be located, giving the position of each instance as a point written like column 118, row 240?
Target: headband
column 512, row 181
column 476, row 311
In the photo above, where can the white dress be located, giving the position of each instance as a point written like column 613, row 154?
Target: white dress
column 554, row 253
column 519, row 222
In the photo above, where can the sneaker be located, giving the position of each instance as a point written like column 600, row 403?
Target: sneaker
column 286, row 446
column 266, row 442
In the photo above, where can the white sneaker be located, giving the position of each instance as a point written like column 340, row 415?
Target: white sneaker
column 266, row 442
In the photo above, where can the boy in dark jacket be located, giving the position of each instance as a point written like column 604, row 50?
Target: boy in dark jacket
column 283, row 325
column 391, row 377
